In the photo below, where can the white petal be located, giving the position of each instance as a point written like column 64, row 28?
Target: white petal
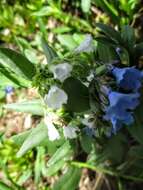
column 61, row 71
column 86, row 121
column 55, row 98
column 86, row 45
column 53, row 133
column 70, row 132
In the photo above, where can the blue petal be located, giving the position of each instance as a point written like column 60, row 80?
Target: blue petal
column 128, row 78
column 9, row 89
column 119, row 109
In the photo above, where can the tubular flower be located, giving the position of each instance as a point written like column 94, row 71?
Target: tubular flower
column 119, row 109
column 61, row 71
column 128, row 78
column 55, row 98
column 53, row 133
column 70, row 131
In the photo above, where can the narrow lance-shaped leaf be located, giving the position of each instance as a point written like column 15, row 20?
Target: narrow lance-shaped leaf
column 35, row 138
column 69, row 180
column 9, row 74
column 60, row 153
column 128, row 37
column 110, row 32
column 17, row 63
column 49, row 51
column 109, row 9
column 3, row 186
column 34, row 107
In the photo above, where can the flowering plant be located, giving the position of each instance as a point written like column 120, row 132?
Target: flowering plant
column 91, row 101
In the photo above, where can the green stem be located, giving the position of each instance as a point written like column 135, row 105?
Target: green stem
column 105, row 171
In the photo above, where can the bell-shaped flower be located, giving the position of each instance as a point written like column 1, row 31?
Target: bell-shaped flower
column 89, row 122
column 120, row 107
column 61, row 71
column 86, row 45
column 128, row 78
column 70, row 132
column 55, row 98
column 53, row 133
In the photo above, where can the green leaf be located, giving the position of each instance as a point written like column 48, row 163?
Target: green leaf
column 138, row 49
column 24, row 177
column 110, row 32
column 60, row 153
column 86, row 143
column 21, row 137
column 17, row 63
column 34, row 107
column 107, row 41
column 4, row 81
column 136, row 130
column 58, row 160
column 67, row 41
column 78, row 96
column 124, row 57
column 69, row 180
column 35, row 138
column 128, row 37
column 39, row 163
column 12, row 77
column 106, row 54
column 54, row 168
column 3, row 186
column 85, row 5
column 109, row 9
column 49, row 52
column 113, row 150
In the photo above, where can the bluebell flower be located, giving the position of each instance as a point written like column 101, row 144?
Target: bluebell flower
column 119, row 109
column 128, row 78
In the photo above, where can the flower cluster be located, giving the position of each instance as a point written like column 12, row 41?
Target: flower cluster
column 69, row 131
column 123, row 102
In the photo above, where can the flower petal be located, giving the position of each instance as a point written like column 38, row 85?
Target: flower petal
column 86, row 45
column 52, row 131
column 61, row 71
column 128, row 78
column 55, row 98
column 70, row 131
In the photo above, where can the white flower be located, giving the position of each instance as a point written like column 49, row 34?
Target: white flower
column 53, row 133
column 86, row 45
column 70, row 131
column 61, row 71
column 55, row 98
column 88, row 121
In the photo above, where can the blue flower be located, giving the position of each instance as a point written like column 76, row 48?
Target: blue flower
column 119, row 109
column 9, row 89
column 128, row 78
